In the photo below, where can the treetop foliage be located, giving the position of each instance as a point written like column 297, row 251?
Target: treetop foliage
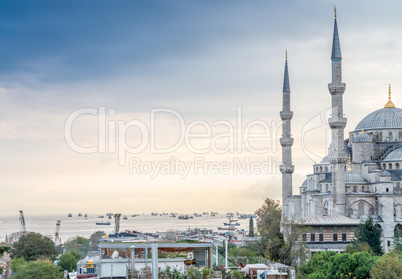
column 34, row 246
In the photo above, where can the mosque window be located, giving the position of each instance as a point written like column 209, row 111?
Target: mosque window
column 379, row 136
column 391, row 137
column 360, row 209
column 355, row 188
column 397, row 166
column 363, row 188
column 335, row 234
column 387, row 190
column 326, row 169
column 388, row 243
column 344, row 234
column 312, row 234
column 320, row 169
column 321, row 234
column 390, row 166
column 400, row 136
column 398, row 184
column 398, row 230
column 383, row 166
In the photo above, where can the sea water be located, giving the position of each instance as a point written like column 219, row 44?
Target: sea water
column 73, row 226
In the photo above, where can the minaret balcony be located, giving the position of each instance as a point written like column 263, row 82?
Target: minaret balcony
column 337, row 122
column 286, row 115
column 336, row 88
column 286, row 142
column 338, row 158
column 287, row 168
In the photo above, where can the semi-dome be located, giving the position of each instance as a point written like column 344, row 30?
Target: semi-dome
column 362, row 137
column 352, row 177
column 395, row 155
column 325, row 161
column 385, row 118
column 385, row 173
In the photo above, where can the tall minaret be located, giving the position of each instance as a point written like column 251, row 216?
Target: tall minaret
column 337, row 122
column 286, row 141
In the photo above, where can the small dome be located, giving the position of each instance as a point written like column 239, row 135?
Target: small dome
column 352, row 177
column 304, row 183
column 385, row 118
column 362, row 137
column 395, row 155
column 385, row 173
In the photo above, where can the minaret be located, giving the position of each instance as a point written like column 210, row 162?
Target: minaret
column 286, row 141
column 337, row 122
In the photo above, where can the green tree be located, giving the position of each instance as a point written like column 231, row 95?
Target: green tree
column 251, row 227
column 388, row 266
column 16, row 263
column 95, row 239
column 355, row 247
column 38, row 270
column 370, row 233
column 275, row 245
column 333, row 265
column 68, row 261
column 34, row 246
column 315, row 265
column 77, row 244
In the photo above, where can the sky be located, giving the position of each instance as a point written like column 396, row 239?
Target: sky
column 173, row 106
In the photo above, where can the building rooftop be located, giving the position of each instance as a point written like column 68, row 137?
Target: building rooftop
column 329, row 220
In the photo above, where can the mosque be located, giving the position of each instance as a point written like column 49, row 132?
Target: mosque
column 359, row 179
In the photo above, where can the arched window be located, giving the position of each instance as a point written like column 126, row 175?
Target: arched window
column 380, row 137
column 397, row 166
column 390, row 166
column 391, row 137
column 360, row 209
column 350, row 212
column 363, row 189
column 398, row 230
column 383, row 166
column 398, row 184
column 400, row 136
column 320, row 169
column 326, row 169
column 326, row 187
column 371, row 212
column 355, row 188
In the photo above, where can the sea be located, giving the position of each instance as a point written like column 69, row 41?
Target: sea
column 73, row 226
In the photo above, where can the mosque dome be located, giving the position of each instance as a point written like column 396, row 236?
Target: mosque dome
column 352, row 177
column 395, row 155
column 304, row 183
column 362, row 137
column 385, row 118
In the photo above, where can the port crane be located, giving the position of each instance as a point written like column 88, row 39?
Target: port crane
column 22, row 223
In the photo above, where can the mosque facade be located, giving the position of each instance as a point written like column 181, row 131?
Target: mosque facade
column 359, row 179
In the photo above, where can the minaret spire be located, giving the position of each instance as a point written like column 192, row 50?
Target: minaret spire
column 286, row 142
column 389, row 104
column 337, row 122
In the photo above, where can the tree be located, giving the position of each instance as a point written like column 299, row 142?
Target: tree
column 370, row 233
column 38, row 269
column 388, row 266
column 68, row 261
column 16, row 263
column 77, row 244
column 356, row 246
column 34, row 246
column 95, row 239
column 251, row 227
column 337, row 265
column 275, row 245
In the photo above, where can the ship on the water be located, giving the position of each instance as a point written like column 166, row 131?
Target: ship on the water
column 103, row 223
column 70, row 215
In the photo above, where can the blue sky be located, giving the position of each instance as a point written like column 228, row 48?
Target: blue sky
column 200, row 58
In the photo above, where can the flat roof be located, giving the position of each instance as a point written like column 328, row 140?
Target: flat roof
column 120, row 244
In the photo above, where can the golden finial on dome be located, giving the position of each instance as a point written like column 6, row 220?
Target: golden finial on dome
column 349, row 169
column 362, row 131
column 389, row 104
column 286, row 53
column 335, row 10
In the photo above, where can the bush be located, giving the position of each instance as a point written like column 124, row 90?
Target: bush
column 388, row 266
